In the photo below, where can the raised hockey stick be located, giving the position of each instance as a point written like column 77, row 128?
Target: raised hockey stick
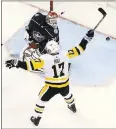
column 104, row 15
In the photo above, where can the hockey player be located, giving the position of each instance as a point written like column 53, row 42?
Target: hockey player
column 55, row 64
column 40, row 30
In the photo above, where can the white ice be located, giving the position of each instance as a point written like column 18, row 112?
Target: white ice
column 93, row 79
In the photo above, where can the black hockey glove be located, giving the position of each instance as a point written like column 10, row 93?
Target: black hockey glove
column 89, row 35
column 86, row 39
column 11, row 63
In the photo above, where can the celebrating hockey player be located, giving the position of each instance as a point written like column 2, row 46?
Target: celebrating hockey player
column 55, row 64
column 40, row 30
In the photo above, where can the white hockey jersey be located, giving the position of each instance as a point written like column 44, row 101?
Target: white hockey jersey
column 55, row 66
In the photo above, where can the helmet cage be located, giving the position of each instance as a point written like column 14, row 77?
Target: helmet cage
column 51, row 19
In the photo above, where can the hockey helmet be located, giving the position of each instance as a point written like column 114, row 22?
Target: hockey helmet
column 52, row 47
column 51, row 19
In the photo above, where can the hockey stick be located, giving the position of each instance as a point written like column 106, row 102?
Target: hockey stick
column 104, row 15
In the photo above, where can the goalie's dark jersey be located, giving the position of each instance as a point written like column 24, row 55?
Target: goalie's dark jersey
column 40, row 32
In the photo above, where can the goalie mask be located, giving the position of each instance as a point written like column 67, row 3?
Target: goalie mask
column 52, row 47
column 51, row 19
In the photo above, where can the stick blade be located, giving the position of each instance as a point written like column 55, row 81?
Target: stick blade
column 102, row 11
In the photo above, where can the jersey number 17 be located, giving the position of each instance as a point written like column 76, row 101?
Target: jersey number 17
column 55, row 69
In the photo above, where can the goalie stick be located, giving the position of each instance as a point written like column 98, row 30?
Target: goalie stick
column 104, row 15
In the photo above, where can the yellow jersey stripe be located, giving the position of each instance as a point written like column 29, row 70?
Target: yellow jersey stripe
column 80, row 48
column 75, row 51
column 43, row 90
column 37, row 63
column 56, row 79
column 58, row 86
column 70, row 100
column 57, row 83
column 39, row 109
column 72, row 53
column 28, row 68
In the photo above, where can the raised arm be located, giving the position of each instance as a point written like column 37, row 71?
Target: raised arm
column 77, row 50
column 27, row 65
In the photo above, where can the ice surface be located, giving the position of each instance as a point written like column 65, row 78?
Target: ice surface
column 92, row 82
column 95, row 66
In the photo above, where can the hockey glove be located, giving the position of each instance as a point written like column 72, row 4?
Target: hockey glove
column 87, row 38
column 89, row 35
column 11, row 63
